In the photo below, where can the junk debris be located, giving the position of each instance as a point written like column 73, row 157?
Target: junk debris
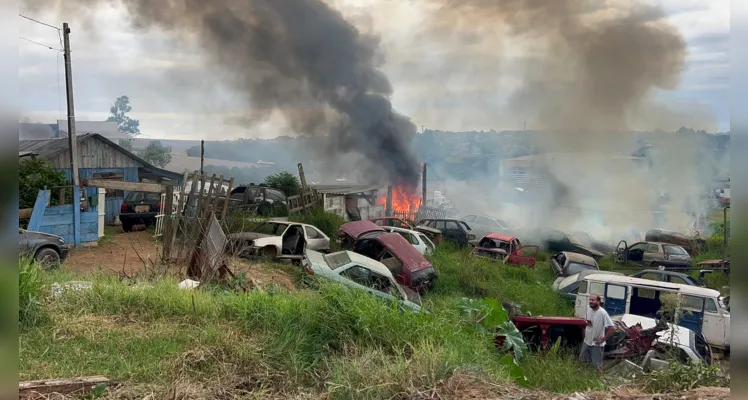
column 76, row 286
column 41, row 389
column 507, row 249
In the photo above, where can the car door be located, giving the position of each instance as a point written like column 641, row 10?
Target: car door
column 621, row 250
column 616, row 297
column 524, row 256
column 652, row 254
column 23, row 244
column 315, row 240
column 430, row 246
column 714, row 326
column 693, row 315
column 362, row 278
column 635, row 253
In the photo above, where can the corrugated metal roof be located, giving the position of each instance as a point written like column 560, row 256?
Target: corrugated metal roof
column 344, row 189
column 48, row 148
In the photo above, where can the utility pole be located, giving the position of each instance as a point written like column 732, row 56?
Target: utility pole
column 72, row 136
column 423, row 186
column 202, row 155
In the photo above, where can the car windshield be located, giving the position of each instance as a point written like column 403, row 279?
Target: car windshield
column 337, row 260
column 575, row 268
column 675, row 250
column 270, row 228
column 575, row 240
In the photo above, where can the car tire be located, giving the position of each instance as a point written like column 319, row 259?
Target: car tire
column 127, row 226
column 269, row 252
column 47, row 258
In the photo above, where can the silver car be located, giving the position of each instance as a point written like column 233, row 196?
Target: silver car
column 278, row 239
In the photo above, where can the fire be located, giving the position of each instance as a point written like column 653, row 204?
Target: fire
column 403, row 200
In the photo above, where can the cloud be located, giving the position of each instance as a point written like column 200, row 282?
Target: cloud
column 193, row 102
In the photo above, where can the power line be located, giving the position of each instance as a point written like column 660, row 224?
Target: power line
column 40, row 44
column 39, row 22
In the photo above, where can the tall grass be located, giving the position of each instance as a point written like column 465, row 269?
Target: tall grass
column 462, row 275
column 327, row 222
column 30, row 287
column 351, row 341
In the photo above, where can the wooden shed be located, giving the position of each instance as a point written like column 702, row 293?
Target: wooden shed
column 100, row 158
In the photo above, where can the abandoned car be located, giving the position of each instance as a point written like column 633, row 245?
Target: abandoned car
column 47, row 250
column 626, row 295
column 507, row 249
column 354, row 230
column 452, row 230
column 569, row 285
column 419, row 240
column 644, row 341
column 588, row 241
column 360, row 272
column 433, row 234
column 483, row 225
column 693, row 245
column 666, row 276
column 555, row 241
column 278, row 239
column 567, row 263
column 392, row 221
column 409, row 267
column 653, row 254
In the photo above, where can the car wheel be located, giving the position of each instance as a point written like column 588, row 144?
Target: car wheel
column 127, row 226
column 47, row 258
column 269, row 252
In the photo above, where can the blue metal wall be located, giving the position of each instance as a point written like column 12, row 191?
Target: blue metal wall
column 113, row 204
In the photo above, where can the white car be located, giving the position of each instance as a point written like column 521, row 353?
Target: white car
column 360, row 272
column 421, row 242
column 278, row 239
column 691, row 346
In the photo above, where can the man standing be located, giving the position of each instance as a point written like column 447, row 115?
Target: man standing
column 599, row 329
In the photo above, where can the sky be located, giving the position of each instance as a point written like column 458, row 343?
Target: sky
column 175, row 94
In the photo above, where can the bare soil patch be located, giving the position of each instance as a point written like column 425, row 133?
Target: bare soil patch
column 130, row 252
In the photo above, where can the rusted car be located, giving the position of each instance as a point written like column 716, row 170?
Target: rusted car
column 567, row 263
column 393, row 222
column 409, row 267
column 354, row 230
column 653, row 254
column 693, row 245
column 507, row 249
column 432, row 233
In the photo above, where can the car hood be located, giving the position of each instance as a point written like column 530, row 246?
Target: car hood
column 41, row 236
column 589, row 250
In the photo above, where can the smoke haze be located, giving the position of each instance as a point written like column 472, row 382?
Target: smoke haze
column 297, row 57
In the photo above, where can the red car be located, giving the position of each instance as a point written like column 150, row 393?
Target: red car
column 506, row 248
column 350, row 232
column 409, row 267
column 392, row 221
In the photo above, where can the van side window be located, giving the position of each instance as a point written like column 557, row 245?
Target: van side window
column 597, row 288
column 616, row 292
column 711, row 306
column 693, row 303
column 583, row 287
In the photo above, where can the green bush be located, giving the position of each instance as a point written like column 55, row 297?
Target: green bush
column 33, row 176
column 680, row 377
column 327, row 222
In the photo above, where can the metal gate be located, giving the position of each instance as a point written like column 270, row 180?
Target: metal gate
column 161, row 211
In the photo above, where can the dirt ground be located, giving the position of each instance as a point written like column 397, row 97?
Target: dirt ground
column 131, row 252
column 116, row 252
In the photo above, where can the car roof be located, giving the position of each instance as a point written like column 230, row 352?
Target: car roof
column 499, row 236
column 679, row 287
column 357, row 228
column 579, row 258
column 665, row 272
column 398, row 229
column 405, row 251
column 372, row 264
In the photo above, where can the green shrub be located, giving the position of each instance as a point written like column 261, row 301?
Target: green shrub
column 682, row 377
column 327, row 222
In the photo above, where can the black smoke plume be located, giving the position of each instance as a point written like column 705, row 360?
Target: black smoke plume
column 298, row 57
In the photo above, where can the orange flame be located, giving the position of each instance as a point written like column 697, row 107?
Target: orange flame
column 403, row 199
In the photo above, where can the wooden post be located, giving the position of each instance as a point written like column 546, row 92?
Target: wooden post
column 302, row 178
column 209, row 197
column 388, row 210
column 423, row 185
column 168, row 224
column 62, row 196
column 218, row 194
column 176, row 227
column 228, row 196
column 77, row 215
